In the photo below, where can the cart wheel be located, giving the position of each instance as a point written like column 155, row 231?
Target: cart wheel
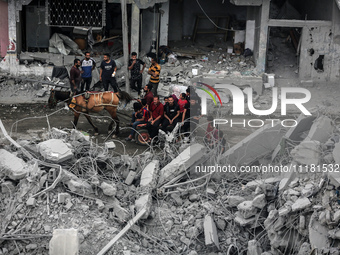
column 142, row 136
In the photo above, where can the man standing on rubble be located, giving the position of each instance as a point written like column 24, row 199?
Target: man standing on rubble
column 107, row 74
column 87, row 65
column 75, row 77
column 136, row 72
column 154, row 72
column 191, row 115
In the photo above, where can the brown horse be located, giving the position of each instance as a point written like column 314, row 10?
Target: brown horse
column 93, row 102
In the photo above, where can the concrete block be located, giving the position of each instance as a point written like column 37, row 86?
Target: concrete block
column 259, row 201
column 247, row 209
column 242, row 221
column 63, row 198
column 131, row 176
column 269, row 78
column 55, row 150
column 12, row 166
column 150, row 174
column 64, row 242
column 210, row 231
column 176, row 70
column 31, row 201
column 79, row 186
column 307, row 152
column 79, row 136
column 108, row 189
column 254, row 248
column 235, row 200
column 41, row 93
column 258, row 144
column 300, row 204
column 144, row 201
column 56, row 59
column 259, row 182
column 321, row 130
column 181, row 163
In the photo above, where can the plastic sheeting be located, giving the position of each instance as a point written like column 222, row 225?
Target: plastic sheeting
column 63, row 44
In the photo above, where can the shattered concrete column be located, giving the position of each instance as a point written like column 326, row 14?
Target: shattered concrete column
column 13, row 62
column 125, row 44
column 148, row 182
column 163, row 40
column 135, row 25
column 261, row 60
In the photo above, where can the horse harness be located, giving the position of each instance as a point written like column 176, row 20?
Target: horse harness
column 98, row 100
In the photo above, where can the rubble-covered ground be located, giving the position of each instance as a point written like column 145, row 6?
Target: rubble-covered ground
column 55, row 178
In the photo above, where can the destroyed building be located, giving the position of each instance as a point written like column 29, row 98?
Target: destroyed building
column 274, row 190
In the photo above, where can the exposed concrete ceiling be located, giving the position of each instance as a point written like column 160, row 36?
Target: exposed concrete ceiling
column 142, row 4
column 247, row 2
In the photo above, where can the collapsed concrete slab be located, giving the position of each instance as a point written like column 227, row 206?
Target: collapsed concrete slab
column 12, row 166
column 260, row 143
column 307, row 152
column 150, row 174
column 210, row 231
column 182, row 162
column 64, row 242
column 55, row 150
column 321, row 130
column 304, row 123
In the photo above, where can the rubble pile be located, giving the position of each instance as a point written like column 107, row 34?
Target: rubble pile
column 63, row 186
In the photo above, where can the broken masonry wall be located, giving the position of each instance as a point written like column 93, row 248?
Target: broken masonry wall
column 185, row 16
column 335, row 44
column 315, row 42
column 3, row 28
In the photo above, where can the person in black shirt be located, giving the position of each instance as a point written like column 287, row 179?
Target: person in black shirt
column 171, row 113
column 136, row 72
column 107, row 74
column 191, row 115
column 75, row 77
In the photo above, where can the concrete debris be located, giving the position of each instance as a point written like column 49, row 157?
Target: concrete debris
column 260, row 143
column 181, row 163
column 55, row 150
column 108, row 189
column 307, row 152
column 210, row 231
column 11, row 166
column 321, row 130
column 64, row 242
column 254, row 248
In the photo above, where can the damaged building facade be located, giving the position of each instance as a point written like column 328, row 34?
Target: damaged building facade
column 312, row 30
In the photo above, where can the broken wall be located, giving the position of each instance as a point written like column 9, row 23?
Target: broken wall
column 315, row 42
column 3, row 28
column 189, row 9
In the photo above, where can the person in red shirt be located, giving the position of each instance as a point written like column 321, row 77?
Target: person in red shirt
column 181, row 103
column 157, row 111
column 140, row 116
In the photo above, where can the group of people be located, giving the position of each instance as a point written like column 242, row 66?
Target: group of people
column 81, row 79
column 157, row 115
column 149, row 110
